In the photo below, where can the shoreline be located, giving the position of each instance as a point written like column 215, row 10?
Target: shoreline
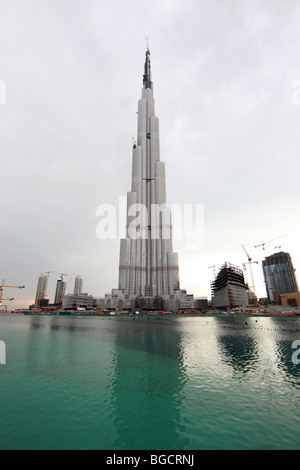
column 264, row 313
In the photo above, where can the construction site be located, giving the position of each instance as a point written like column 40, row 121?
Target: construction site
column 3, row 308
column 231, row 289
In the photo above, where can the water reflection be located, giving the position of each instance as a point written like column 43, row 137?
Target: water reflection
column 249, row 343
column 135, row 367
column 158, row 382
column 151, row 337
column 148, row 386
column 285, row 364
column 192, row 345
column 239, row 352
column 50, row 354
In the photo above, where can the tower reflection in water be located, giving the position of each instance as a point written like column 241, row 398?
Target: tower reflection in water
column 182, row 383
column 237, row 348
column 260, row 345
column 148, row 385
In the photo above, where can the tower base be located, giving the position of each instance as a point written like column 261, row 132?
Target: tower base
column 174, row 303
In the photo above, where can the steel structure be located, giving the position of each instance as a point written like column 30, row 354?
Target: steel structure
column 2, row 286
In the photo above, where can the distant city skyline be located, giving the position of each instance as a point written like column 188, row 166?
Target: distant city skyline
column 227, row 87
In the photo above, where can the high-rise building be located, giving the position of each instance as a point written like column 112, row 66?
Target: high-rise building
column 60, row 291
column 148, row 267
column 279, row 275
column 41, row 290
column 78, row 285
column 229, row 289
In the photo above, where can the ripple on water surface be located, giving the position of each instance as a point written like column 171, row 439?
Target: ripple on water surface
column 192, row 383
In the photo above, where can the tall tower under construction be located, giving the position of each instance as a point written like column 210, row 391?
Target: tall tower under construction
column 41, row 290
column 60, row 291
column 148, row 266
column 279, row 275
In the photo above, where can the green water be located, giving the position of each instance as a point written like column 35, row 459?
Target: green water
column 132, row 384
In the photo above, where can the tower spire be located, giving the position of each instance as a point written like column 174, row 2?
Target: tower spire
column 147, row 75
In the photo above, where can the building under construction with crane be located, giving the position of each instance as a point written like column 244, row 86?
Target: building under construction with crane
column 279, row 276
column 2, row 286
column 229, row 289
column 41, row 299
column 279, row 273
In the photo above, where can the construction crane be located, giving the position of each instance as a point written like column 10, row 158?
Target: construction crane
column 263, row 244
column 47, row 274
column 280, row 246
column 5, row 305
column 69, row 282
column 214, row 268
column 268, row 274
column 9, row 287
column 250, row 262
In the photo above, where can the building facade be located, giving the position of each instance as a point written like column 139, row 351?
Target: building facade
column 290, row 300
column 279, row 275
column 229, row 289
column 148, row 267
column 60, row 291
column 78, row 285
column 41, row 291
column 74, row 302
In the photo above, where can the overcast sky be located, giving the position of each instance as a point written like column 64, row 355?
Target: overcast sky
column 226, row 79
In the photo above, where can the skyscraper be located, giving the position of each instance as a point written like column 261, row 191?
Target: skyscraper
column 60, row 291
column 78, row 285
column 41, row 290
column 279, row 275
column 148, row 266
